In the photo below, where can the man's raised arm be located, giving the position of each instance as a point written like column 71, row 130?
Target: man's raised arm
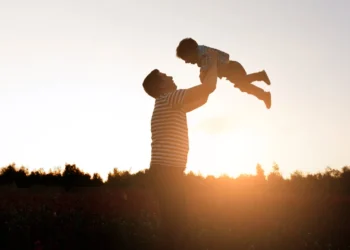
column 202, row 91
column 195, row 105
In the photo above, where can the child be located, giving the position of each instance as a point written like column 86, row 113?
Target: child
column 189, row 51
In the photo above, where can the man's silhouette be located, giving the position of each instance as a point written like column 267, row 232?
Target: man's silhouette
column 170, row 146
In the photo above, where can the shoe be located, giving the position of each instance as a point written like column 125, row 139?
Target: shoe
column 265, row 77
column 267, row 100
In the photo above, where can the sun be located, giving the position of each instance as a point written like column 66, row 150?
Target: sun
column 231, row 153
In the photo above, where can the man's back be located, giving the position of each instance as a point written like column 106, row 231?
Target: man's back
column 169, row 131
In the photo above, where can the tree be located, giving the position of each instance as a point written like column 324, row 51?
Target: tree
column 8, row 174
column 275, row 178
column 119, row 178
column 96, row 180
column 345, row 179
column 297, row 175
column 21, row 178
column 260, row 172
column 73, row 176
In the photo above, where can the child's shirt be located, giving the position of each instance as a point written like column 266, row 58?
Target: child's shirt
column 204, row 58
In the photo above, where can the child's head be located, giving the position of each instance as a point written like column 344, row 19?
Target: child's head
column 157, row 83
column 187, row 50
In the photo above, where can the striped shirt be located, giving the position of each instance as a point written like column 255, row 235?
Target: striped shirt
column 169, row 130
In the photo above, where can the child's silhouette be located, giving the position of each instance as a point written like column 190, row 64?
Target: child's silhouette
column 189, row 51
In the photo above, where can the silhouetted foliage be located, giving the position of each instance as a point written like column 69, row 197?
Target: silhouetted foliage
column 74, row 177
column 96, row 180
column 119, row 178
column 330, row 181
column 261, row 211
column 8, row 174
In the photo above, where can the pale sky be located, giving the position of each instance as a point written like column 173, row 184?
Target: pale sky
column 71, row 77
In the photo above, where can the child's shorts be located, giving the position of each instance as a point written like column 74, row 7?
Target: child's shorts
column 233, row 72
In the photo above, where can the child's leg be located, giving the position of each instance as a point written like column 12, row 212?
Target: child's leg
column 235, row 73
column 258, row 76
column 256, row 91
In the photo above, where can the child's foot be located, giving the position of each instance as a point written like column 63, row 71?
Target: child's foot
column 265, row 78
column 267, row 100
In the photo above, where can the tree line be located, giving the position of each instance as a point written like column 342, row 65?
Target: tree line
column 330, row 180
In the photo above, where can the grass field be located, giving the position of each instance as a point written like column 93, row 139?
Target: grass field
column 127, row 218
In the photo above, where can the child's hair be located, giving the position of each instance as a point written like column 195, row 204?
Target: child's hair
column 151, row 83
column 186, row 46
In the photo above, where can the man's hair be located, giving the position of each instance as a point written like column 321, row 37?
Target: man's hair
column 185, row 47
column 151, row 83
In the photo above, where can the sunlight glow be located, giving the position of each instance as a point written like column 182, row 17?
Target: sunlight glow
column 231, row 153
column 70, row 84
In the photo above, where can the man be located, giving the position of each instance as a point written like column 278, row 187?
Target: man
column 170, row 146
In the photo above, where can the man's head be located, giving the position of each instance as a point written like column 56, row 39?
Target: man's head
column 157, row 83
column 187, row 50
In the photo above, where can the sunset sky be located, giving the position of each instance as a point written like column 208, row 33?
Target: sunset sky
column 71, row 77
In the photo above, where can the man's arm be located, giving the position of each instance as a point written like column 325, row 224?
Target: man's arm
column 198, row 95
column 202, row 91
column 194, row 105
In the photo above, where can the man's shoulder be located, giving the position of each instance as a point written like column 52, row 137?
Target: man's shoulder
column 171, row 93
column 172, row 99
